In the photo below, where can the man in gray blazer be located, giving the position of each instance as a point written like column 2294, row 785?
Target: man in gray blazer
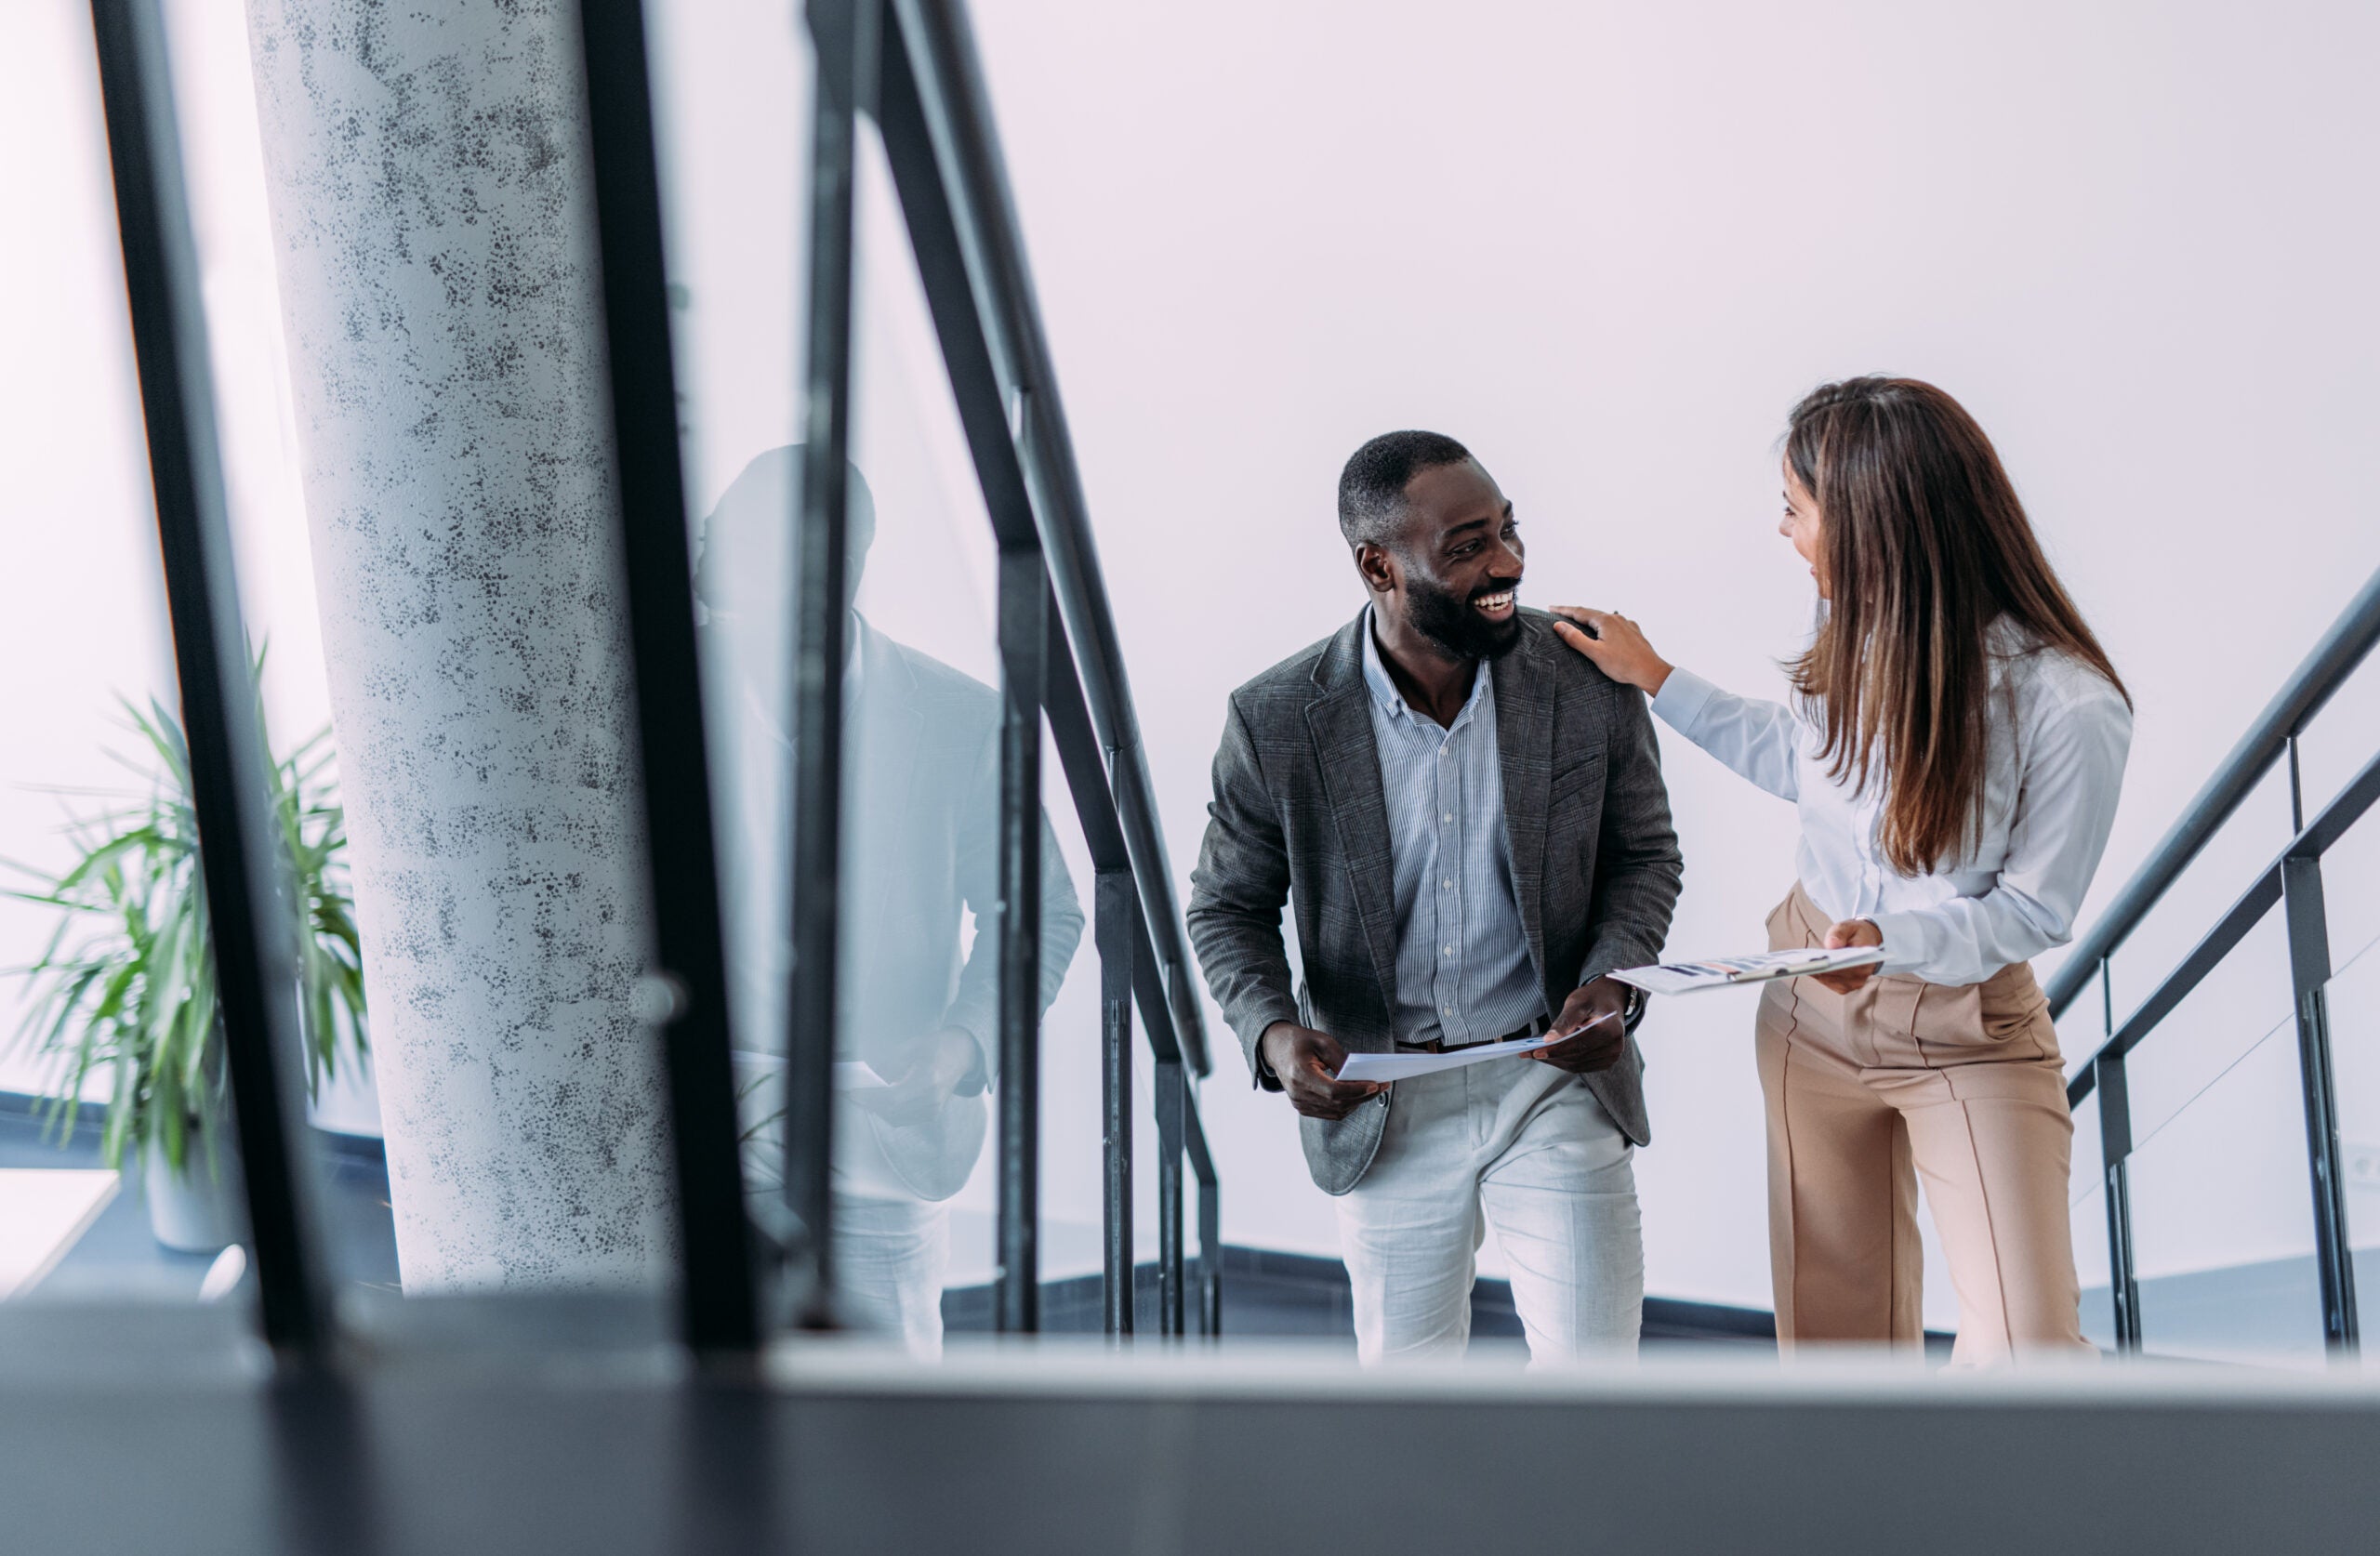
column 1465, row 856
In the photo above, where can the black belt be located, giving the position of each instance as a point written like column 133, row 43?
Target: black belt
column 1439, row 1044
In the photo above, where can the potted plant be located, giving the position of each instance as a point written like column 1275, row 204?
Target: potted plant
column 126, row 984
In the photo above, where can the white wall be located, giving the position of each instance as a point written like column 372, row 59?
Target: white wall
column 1608, row 246
column 82, row 601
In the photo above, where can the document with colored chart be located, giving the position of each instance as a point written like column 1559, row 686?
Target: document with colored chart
column 1722, row 972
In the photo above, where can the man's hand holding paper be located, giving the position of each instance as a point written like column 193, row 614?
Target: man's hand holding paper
column 1596, row 1034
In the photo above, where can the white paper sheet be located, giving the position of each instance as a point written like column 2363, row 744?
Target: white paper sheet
column 1405, row 1066
column 1724, row 973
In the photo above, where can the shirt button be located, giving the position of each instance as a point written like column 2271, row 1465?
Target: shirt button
column 1448, row 883
column 1449, row 1009
column 1442, row 750
column 1448, row 817
column 1450, row 950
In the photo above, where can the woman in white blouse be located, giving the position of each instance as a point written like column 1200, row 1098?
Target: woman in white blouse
column 1955, row 747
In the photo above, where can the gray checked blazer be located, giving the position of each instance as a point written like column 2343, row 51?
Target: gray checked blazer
column 1299, row 818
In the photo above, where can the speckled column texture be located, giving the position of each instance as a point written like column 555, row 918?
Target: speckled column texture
column 432, row 203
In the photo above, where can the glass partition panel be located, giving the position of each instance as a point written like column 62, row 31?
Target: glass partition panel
column 2203, row 892
column 119, row 1176
column 2223, row 1235
column 2236, row 1002
column 2351, row 890
column 919, row 1067
column 2083, row 1031
column 2354, row 998
column 733, row 90
column 1073, row 1152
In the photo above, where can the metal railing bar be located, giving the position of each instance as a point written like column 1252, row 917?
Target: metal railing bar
column 1079, row 757
column 985, row 408
column 2310, row 969
column 2244, row 915
column 1211, row 1261
column 718, row 1307
column 1024, row 635
column 844, row 34
column 1194, row 1135
column 984, row 414
column 1117, row 905
column 948, row 76
column 2115, row 1175
column 2343, row 648
column 2347, row 807
column 1210, row 1224
column 963, row 332
column 1172, row 1109
column 249, row 901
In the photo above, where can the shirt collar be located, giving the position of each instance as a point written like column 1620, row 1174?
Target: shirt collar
column 1382, row 686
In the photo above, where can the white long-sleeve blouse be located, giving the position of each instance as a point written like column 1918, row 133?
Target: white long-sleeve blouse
column 2059, row 734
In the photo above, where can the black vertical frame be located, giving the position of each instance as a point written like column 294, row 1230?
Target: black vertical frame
column 250, row 908
column 1116, row 908
column 1023, row 638
column 2310, row 969
column 845, row 35
column 1173, row 1111
column 687, row 986
column 2115, row 1147
column 1210, row 1228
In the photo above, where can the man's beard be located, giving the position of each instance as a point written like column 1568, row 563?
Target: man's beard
column 1447, row 620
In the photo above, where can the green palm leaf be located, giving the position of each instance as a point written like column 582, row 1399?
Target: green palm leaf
column 126, row 981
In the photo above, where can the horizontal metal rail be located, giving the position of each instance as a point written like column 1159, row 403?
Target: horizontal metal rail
column 2261, row 897
column 2322, row 673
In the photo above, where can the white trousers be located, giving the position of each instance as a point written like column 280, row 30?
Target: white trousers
column 1522, row 1147
column 890, row 1258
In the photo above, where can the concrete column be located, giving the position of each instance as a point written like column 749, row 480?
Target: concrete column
column 432, row 208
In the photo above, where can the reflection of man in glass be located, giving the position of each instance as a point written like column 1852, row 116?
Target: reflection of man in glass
column 917, row 1033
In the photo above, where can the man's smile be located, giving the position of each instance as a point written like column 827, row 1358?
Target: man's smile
column 1498, row 606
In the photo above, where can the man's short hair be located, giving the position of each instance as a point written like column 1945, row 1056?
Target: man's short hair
column 1372, row 489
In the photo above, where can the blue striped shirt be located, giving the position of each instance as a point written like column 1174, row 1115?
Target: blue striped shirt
column 1464, row 973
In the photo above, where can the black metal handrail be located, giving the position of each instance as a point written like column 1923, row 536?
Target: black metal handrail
column 940, row 52
column 2292, row 881
column 913, row 69
column 2268, row 740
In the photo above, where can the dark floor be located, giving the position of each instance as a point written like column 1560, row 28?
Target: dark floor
column 118, row 1258
column 1265, row 1293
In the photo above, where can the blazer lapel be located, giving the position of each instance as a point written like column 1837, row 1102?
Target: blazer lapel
column 1341, row 724
column 1525, row 756
column 888, row 728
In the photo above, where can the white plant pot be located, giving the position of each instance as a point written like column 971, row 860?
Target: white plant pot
column 196, row 1209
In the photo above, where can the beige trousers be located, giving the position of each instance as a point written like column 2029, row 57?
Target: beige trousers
column 1901, row 1078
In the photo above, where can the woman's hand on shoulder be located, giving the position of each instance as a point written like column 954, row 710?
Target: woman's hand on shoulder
column 1616, row 645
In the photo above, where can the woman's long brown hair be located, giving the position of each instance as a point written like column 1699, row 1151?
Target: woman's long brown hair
column 1924, row 547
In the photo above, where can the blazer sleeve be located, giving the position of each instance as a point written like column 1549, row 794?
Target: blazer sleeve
column 1236, row 893
column 1638, row 865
